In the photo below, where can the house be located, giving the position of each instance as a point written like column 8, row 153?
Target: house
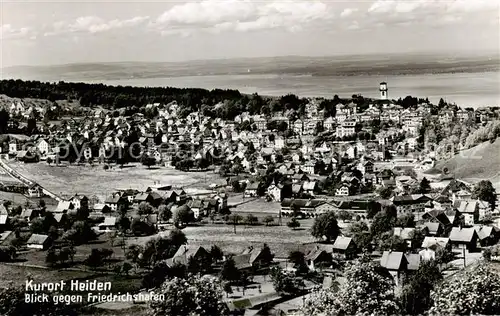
column 305, row 207
column 405, row 233
column 297, row 189
column 115, row 201
column 37, row 241
column 169, row 196
column 152, row 198
column 242, row 262
column 343, row 190
column 469, row 210
column 4, row 218
column 80, row 201
column 409, row 204
column 13, row 147
column 251, row 190
column 64, row 206
column 101, row 208
column 274, row 191
column 186, row 253
column 257, row 257
column 413, row 261
column 198, row 208
column 61, row 219
column 317, row 258
column 180, row 194
column 464, row 238
column 35, row 190
column 345, row 246
column 395, row 262
column 29, row 214
column 310, row 187
column 43, row 147
column 436, row 242
column 488, row 235
column 7, row 237
column 109, row 224
column 434, row 228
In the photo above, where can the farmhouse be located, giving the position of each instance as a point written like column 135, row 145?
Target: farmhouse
column 37, row 241
column 251, row 189
column 395, row 262
column 109, row 224
column 115, row 201
column 185, row 253
column 344, row 246
column 464, row 238
column 318, row 258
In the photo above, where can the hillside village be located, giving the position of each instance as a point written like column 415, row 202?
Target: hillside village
column 357, row 174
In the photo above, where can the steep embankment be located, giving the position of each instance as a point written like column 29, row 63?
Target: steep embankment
column 481, row 162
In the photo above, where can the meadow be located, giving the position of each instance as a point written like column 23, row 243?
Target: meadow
column 95, row 181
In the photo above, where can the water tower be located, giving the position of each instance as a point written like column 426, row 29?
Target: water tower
column 383, row 91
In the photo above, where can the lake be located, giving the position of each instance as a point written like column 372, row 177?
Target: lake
column 465, row 89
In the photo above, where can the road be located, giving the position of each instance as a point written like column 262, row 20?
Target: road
column 13, row 173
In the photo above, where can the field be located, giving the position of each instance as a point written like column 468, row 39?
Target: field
column 481, row 162
column 94, row 180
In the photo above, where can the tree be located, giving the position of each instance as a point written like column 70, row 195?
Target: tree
column 194, row 296
column 368, row 290
column 177, row 238
column 425, row 186
column 471, row 292
column 298, row 260
column 392, row 243
column 228, row 289
column 183, row 215
column 372, row 209
column 415, row 298
column 95, row 259
column 123, row 223
column 164, row 213
column 144, row 208
column 385, row 192
column 139, row 227
column 266, row 256
column 360, row 234
column 148, row 161
column 13, row 303
column 251, row 220
column 444, row 255
column 406, row 221
column 326, row 225
column 344, row 215
column 80, row 233
column 268, row 220
column 293, row 223
column 383, row 222
column 235, row 219
column 216, row 253
column 285, row 282
column 229, row 272
column 485, row 191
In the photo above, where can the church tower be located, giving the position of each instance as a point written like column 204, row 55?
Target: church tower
column 383, row 91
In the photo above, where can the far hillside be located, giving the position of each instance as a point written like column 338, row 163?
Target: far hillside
column 477, row 163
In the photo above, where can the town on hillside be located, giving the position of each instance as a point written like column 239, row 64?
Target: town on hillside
column 266, row 205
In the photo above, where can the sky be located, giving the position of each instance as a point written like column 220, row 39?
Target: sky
column 37, row 32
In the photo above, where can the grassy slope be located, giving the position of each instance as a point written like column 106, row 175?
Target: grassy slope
column 478, row 163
